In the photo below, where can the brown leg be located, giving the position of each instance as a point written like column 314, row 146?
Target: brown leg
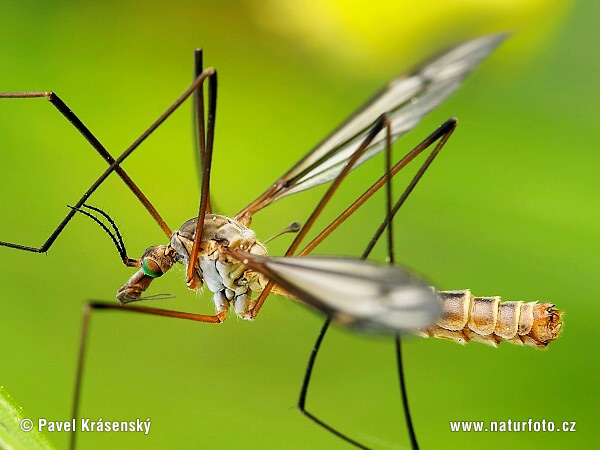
column 55, row 100
column 207, row 160
column 114, row 165
column 199, row 123
column 442, row 134
column 85, row 324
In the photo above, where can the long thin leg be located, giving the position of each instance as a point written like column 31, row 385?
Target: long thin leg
column 205, row 196
column 448, row 128
column 442, row 134
column 85, row 325
column 87, row 134
column 391, row 260
column 199, row 125
column 306, row 382
column 199, row 111
column 407, row 416
column 388, row 191
column 115, row 164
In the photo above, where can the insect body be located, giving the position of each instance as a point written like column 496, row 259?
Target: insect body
column 463, row 317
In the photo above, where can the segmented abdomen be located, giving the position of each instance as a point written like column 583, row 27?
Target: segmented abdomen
column 490, row 321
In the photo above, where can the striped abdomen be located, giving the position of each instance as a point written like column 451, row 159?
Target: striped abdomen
column 488, row 320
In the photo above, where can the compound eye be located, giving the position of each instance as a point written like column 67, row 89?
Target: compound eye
column 151, row 268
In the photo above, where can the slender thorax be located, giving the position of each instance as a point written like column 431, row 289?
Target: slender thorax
column 231, row 281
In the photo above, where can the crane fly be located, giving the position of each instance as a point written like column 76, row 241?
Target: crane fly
column 223, row 253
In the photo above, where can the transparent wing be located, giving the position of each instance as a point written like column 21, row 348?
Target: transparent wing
column 356, row 293
column 406, row 99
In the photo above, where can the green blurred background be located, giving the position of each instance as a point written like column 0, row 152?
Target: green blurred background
column 510, row 208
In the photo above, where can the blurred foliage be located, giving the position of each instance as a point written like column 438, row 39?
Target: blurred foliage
column 509, row 208
column 12, row 421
